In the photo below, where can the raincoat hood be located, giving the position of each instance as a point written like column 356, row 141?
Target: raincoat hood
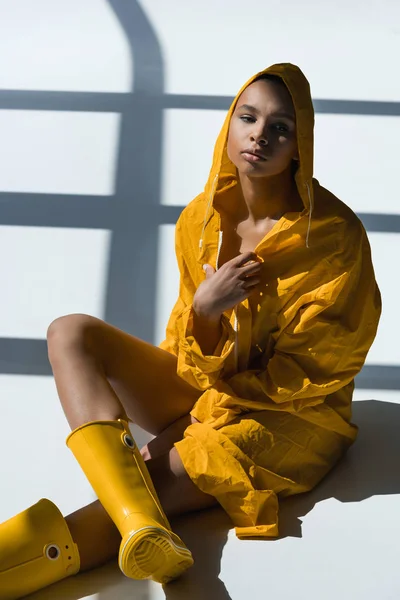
column 223, row 174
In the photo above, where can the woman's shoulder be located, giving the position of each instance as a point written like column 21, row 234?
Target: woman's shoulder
column 195, row 208
column 192, row 217
column 335, row 212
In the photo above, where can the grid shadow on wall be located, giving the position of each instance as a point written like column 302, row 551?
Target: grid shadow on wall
column 138, row 193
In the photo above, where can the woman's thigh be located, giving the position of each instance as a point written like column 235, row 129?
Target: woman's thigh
column 143, row 376
column 145, row 379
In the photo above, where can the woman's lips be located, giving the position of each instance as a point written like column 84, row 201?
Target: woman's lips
column 252, row 157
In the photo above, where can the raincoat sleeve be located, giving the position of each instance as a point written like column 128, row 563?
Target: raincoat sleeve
column 200, row 370
column 321, row 346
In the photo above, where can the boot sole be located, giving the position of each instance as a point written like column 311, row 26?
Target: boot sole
column 151, row 553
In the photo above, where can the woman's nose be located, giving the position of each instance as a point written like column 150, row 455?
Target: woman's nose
column 260, row 138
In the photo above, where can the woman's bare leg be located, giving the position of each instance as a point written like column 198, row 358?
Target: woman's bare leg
column 95, row 534
column 101, row 373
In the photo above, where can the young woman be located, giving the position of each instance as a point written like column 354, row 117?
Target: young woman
column 249, row 396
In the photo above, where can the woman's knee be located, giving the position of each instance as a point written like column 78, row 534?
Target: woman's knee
column 175, row 489
column 71, row 333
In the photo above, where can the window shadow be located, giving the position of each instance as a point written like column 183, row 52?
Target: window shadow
column 134, row 212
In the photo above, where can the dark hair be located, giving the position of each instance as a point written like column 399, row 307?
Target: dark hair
column 270, row 77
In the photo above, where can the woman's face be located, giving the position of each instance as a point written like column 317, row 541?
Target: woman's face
column 263, row 122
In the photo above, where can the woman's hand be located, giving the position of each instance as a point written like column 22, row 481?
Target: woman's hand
column 227, row 287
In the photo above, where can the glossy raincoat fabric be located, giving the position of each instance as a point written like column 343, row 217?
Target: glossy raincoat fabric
column 275, row 410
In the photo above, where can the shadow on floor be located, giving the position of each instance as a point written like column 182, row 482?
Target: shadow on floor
column 204, row 532
column 106, row 583
column 371, row 467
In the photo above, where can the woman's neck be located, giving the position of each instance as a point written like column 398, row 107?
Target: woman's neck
column 265, row 198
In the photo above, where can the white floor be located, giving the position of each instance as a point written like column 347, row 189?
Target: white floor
column 341, row 541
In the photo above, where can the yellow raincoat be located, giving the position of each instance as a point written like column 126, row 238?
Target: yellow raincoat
column 276, row 404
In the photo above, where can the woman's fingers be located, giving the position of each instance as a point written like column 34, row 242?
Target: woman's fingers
column 244, row 258
column 250, row 282
column 250, row 269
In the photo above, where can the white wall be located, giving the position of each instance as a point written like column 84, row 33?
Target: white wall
column 348, row 51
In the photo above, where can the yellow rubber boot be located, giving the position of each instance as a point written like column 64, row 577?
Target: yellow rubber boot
column 111, row 461
column 36, row 549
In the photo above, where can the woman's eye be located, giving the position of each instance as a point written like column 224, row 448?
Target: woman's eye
column 279, row 126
